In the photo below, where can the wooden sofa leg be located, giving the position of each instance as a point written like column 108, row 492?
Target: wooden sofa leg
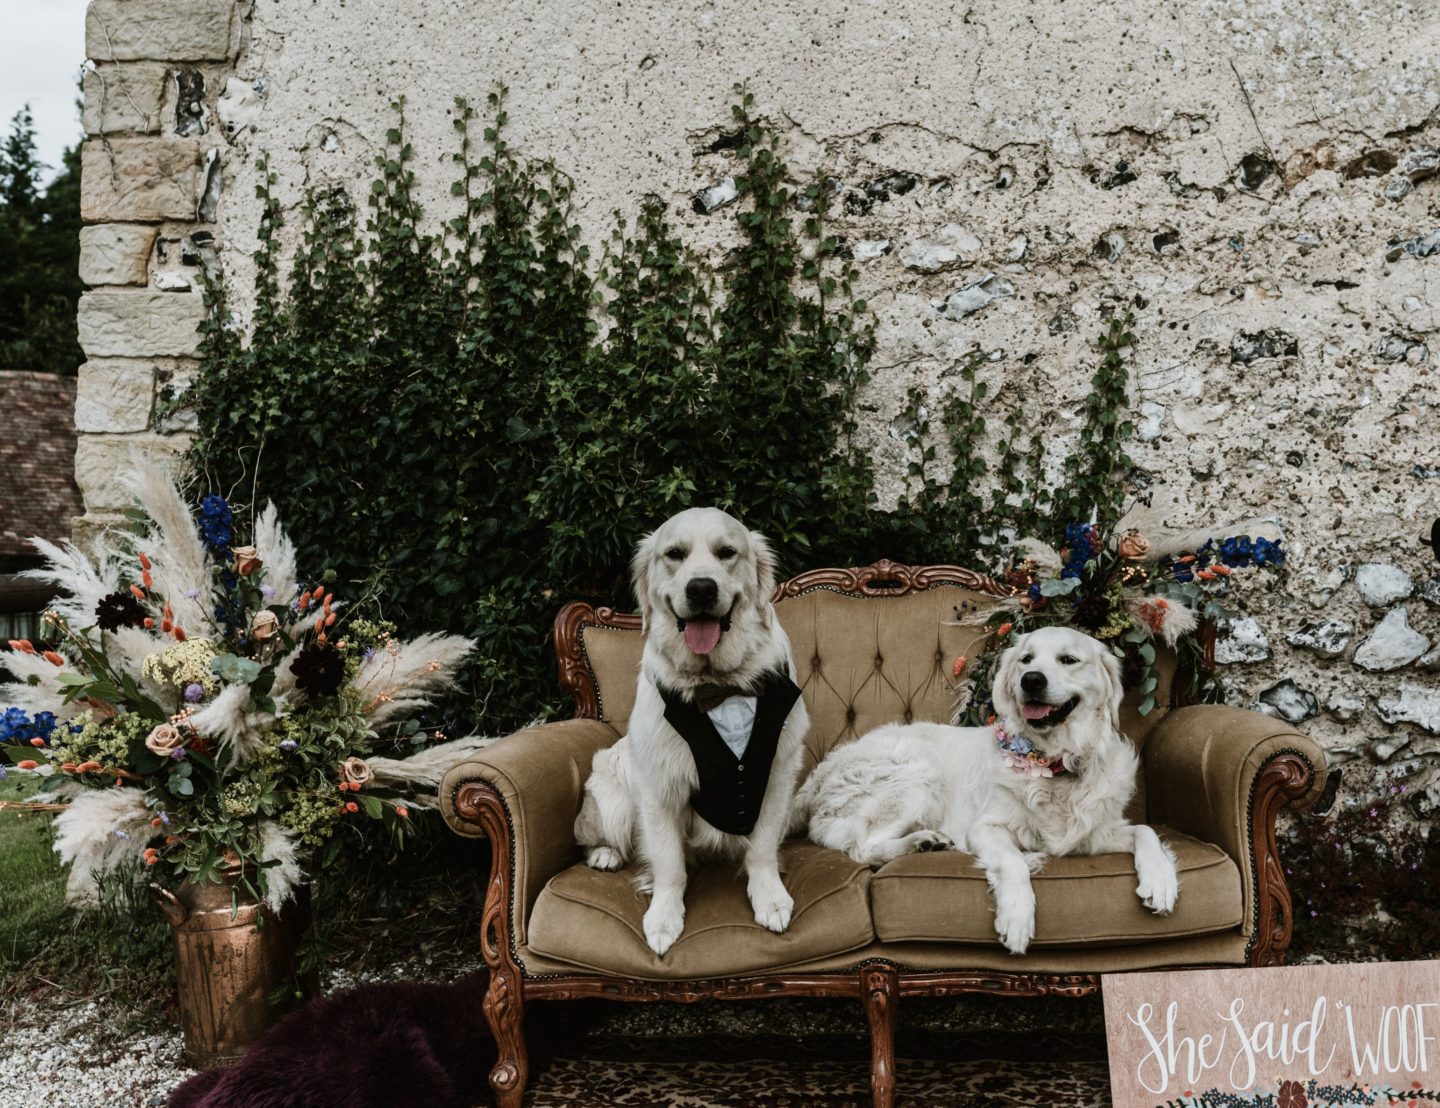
column 505, row 1012
column 879, row 992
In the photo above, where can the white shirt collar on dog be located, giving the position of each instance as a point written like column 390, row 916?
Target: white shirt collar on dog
column 734, row 719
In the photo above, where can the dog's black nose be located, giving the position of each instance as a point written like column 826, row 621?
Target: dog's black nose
column 1033, row 683
column 702, row 592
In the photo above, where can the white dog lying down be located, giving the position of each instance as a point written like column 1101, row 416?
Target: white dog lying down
column 1052, row 776
column 708, row 766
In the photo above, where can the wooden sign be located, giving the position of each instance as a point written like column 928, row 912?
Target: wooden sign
column 1296, row 1037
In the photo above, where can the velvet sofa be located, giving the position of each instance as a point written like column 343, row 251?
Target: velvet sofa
column 872, row 645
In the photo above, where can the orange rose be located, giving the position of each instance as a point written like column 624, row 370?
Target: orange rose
column 53, row 658
column 351, row 806
column 1004, row 629
column 27, row 764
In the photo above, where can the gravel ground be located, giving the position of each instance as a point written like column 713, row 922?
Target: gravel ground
column 65, row 1053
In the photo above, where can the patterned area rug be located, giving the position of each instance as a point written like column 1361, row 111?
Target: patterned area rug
column 934, row 1071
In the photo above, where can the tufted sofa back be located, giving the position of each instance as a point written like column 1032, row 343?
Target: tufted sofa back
column 873, row 645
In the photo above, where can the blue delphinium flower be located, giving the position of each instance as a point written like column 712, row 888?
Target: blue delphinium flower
column 1080, row 541
column 288, row 745
column 217, row 523
column 1268, row 553
column 16, row 726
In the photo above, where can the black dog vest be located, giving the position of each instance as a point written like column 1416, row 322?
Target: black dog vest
column 732, row 788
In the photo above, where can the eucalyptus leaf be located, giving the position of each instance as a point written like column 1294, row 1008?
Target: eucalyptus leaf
column 1059, row 586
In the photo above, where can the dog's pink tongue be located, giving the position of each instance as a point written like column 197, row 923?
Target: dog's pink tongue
column 702, row 634
column 1036, row 711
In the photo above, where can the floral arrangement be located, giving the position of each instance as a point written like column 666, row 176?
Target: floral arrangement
column 1120, row 591
column 202, row 708
column 1289, row 1093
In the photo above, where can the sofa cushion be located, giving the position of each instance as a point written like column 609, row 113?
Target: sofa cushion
column 1079, row 900
column 592, row 920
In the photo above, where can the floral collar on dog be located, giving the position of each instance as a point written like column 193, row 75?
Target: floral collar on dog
column 1021, row 756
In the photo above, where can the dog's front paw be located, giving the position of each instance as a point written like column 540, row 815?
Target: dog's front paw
column 772, row 903
column 923, row 842
column 604, row 858
column 1159, row 888
column 1015, row 923
column 663, row 924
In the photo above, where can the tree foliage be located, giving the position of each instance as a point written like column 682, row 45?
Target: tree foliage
column 39, row 256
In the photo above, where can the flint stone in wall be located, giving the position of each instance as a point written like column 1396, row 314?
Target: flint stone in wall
column 1429, row 591
column 1387, row 746
column 115, row 253
column 943, row 250
column 1344, row 707
column 1411, row 703
column 869, row 249
column 1430, row 662
column 972, row 297
column 716, row 196
column 163, row 30
column 124, row 98
column 1381, row 583
column 113, row 396
column 139, row 179
column 1420, row 163
column 1393, row 643
column 136, row 323
column 1241, row 641
column 1288, row 701
column 101, row 459
column 1329, row 637
column 1421, row 246
column 1273, row 343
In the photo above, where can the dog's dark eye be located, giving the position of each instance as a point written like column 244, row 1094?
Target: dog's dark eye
column 725, row 553
column 1025, row 661
column 675, row 553
column 1068, row 660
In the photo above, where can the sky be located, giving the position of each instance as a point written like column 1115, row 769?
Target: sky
column 42, row 49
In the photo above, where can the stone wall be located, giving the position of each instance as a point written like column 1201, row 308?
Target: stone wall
column 152, row 174
column 1257, row 179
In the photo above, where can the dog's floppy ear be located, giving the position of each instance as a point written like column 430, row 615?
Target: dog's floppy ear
column 1006, row 707
column 764, row 569
column 1111, row 666
column 640, row 576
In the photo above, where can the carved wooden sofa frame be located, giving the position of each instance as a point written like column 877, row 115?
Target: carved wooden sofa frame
column 1286, row 777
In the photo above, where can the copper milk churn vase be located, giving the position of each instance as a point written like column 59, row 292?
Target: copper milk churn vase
column 231, row 953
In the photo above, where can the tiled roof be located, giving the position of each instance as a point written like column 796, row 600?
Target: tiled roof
column 38, row 494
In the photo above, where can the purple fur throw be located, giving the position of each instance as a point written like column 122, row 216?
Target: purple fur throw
column 376, row 1046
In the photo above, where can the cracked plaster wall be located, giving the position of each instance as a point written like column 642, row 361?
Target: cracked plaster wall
column 1256, row 178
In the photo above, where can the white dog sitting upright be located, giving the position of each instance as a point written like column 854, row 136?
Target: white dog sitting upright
column 708, row 766
column 1052, row 777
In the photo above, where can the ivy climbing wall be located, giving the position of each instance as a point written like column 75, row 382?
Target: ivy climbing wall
column 1255, row 180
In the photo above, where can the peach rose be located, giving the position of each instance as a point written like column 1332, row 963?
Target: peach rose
column 264, row 626
column 355, row 773
column 247, row 560
column 165, row 738
column 1133, row 546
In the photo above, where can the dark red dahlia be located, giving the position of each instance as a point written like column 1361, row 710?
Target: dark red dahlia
column 319, row 670
column 119, row 609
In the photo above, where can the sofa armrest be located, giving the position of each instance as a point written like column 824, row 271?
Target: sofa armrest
column 523, row 793
column 1222, row 775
